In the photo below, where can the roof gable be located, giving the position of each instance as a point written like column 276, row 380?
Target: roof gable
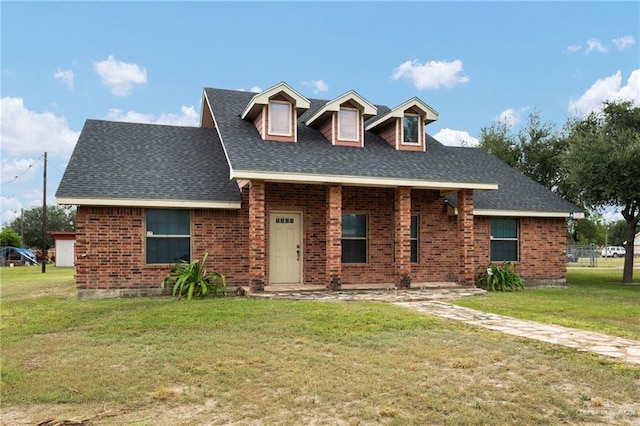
column 428, row 114
column 368, row 110
column 257, row 103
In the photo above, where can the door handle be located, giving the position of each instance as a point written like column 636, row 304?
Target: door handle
column 298, row 252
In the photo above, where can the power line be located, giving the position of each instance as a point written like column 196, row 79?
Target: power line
column 23, row 173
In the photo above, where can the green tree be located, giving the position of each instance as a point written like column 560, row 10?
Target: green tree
column 58, row 219
column 497, row 140
column 535, row 151
column 9, row 237
column 603, row 165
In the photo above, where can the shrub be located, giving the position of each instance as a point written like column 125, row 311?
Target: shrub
column 191, row 279
column 501, row 278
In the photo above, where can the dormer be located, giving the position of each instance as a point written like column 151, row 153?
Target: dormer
column 341, row 120
column 403, row 126
column 275, row 111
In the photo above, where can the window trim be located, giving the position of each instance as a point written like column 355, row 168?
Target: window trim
column 402, row 141
column 357, row 120
column 150, row 235
column 516, row 239
column 271, row 121
column 416, row 239
column 365, row 238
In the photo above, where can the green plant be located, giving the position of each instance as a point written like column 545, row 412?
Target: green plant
column 191, row 279
column 501, row 278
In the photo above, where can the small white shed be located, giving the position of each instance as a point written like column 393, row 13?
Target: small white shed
column 65, row 248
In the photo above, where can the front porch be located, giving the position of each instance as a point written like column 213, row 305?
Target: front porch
column 307, row 237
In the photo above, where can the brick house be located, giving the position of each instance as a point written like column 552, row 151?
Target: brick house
column 281, row 189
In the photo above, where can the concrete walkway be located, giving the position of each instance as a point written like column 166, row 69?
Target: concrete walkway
column 430, row 302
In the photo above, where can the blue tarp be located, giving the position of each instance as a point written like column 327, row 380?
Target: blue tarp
column 26, row 254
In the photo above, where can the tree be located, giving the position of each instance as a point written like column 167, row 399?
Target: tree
column 535, row 151
column 58, row 219
column 9, row 237
column 603, row 165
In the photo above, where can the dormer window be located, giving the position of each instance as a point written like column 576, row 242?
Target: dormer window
column 341, row 121
column 411, row 129
column 274, row 113
column 348, row 124
column 280, row 118
column 403, row 126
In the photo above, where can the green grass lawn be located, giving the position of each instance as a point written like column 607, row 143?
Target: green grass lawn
column 157, row 361
column 594, row 300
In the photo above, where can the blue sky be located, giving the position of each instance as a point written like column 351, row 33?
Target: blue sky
column 473, row 62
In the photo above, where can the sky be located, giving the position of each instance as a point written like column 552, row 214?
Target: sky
column 474, row 62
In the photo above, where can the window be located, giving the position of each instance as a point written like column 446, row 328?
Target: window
column 280, row 118
column 348, row 124
column 504, row 239
column 354, row 238
column 168, row 236
column 410, row 131
column 414, row 239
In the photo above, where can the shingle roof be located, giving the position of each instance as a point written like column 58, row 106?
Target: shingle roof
column 115, row 160
column 313, row 154
column 130, row 161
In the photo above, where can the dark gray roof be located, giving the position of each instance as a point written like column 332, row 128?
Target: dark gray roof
column 313, row 154
column 148, row 161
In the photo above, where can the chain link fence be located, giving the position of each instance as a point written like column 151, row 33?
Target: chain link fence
column 583, row 255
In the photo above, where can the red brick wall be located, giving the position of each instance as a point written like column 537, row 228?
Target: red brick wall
column 110, row 247
column 542, row 247
column 113, row 240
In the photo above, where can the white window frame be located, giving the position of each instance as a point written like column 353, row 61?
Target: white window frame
column 492, row 238
column 271, row 120
column 402, row 141
column 356, row 124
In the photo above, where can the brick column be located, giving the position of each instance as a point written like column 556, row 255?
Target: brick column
column 334, row 237
column 402, row 236
column 257, row 235
column 466, row 274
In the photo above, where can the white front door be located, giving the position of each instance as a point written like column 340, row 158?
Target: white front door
column 285, row 248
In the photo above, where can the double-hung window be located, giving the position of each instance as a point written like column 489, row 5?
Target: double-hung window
column 168, row 235
column 414, row 239
column 504, row 239
column 354, row 238
column 410, row 129
column 280, row 118
column 348, row 124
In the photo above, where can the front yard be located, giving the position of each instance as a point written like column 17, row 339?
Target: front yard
column 243, row 361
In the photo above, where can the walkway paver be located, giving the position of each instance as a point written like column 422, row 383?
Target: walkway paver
column 584, row 341
column 430, row 302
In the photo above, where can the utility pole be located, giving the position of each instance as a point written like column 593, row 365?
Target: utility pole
column 44, row 216
column 22, row 226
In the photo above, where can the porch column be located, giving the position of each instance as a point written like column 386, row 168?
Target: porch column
column 257, row 235
column 402, row 236
column 334, row 237
column 466, row 274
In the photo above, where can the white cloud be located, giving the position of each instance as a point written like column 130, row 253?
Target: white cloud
column 623, row 42
column 452, row 137
column 119, row 76
column 188, row 117
column 254, row 89
column 607, row 89
column 10, row 209
column 66, row 76
column 509, row 117
column 318, row 86
column 595, row 45
column 432, row 74
column 25, row 132
column 574, row 48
